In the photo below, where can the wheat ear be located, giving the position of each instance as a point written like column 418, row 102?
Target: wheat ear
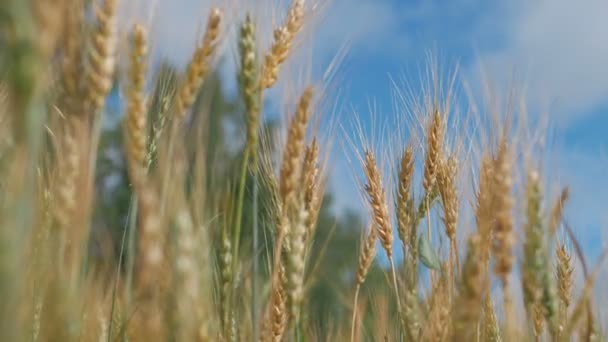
column 293, row 153
column 294, row 213
column 377, row 199
column 101, row 56
column 504, row 238
column 135, row 118
column 72, row 58
column 564, row 283
column 282, row 44
column 199, row 65
column 446, row 181
column 248, row 80
column 404, row 201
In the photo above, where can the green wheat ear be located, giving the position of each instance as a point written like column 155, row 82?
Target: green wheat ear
column 248, row 79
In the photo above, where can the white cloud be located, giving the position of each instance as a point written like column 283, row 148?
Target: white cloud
column 560, row 48
column 370, row 26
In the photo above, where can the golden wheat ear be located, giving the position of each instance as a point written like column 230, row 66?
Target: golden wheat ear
column 404, row 202
column 435, row 133
column 446, row 182
column 101, row 57
column 282, row 44
column 135, row 125
column 377, row 199
column 293, row 201
column 294, row 149
column 565, row 283
column 199, row 65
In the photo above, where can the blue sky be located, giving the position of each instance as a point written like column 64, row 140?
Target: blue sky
column 557, row 49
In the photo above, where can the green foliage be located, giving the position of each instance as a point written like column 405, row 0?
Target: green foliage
column 427, row 254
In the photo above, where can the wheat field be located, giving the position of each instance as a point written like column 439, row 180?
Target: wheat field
column 197, row 218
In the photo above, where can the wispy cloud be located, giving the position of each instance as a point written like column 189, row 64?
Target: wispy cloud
column 559, row 48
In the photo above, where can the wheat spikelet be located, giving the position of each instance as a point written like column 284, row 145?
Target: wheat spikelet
column 282, row 44
column 404, row 201
column 101, row 57
column 310, row 182
column 293, row 153
column 377, row 199
column 199, row 65
column 135, row 125
column 248, row 80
